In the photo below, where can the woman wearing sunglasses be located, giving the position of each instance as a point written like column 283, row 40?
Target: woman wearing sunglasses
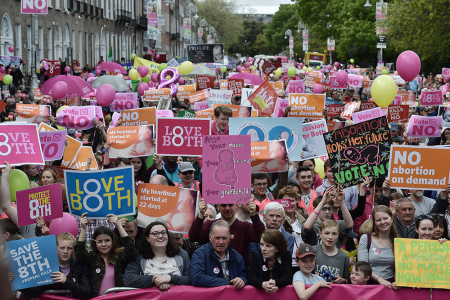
column 160, row 262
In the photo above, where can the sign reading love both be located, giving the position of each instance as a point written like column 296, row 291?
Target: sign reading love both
column 359, row 150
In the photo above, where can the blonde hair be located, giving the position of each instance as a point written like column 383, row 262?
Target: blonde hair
column 366, row 227
column 65, row 236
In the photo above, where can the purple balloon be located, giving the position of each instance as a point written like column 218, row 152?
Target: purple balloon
column 181, row 81
column 142, row 87
column 317, row 89
column 67, row 69
column 98, row 71
column 408, row 65
column 165, row 83
column 59, row 90
column 143, row 71
column 154, row 77
column 105, row 95
column 2, row 70
column 342, row 77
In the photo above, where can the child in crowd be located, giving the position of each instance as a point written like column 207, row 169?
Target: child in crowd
column 362, row 271
column 306, row 260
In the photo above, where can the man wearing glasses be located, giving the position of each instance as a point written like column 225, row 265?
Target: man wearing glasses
column 186, row 174
column 263, row 193
column 335, row 96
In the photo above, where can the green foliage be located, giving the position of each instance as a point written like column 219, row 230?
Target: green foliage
column 247, row 39
column 284, row 19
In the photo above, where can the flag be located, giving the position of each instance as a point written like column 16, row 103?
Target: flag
column 110, row 55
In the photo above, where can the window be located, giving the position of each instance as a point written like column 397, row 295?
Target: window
column 80, row 48
column 58, row 4
column 49, row 43
column 18, row 45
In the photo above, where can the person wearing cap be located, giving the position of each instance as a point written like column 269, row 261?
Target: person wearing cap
column 16, row 75
column 186, row 174
column 306, row 260
column 349, row 96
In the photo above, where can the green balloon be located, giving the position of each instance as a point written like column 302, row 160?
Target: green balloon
column 318, row 68
column 133, row 56
column 352, row 61
column 7, row 79
column 223, row 69
column 162, row 67
column 291, row 72
column 18, row 181
column 146, row 79
column 384, row 72
column 125, row 67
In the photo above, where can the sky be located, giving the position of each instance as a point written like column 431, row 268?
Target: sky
column 264, row 6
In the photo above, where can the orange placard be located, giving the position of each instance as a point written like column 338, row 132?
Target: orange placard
column 198, row 96
column 130, row 141
column 277, row 86
column 45, row 127
column 313, row 78
column 419, row 168
column 71, row 101
column 185, row 90
column 32, row 113
column 238, row 111
column 71, row 151
column 206, row 113
column 155, row 95
column 38, row 93
column 306, row 105
column 79, row 162
column 269, row 156
column 223, row 84
column 139, row 116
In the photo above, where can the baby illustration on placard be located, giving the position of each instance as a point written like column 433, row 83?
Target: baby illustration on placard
column 225, row 173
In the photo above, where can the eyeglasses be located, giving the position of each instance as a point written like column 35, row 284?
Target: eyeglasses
column 261, row 184
column 327, row 208
column 156, row 233
column 188, row 172
column 427, row 217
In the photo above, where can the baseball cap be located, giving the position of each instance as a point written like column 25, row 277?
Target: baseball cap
column 185, row 166
column 304, row 250
column 351, row 89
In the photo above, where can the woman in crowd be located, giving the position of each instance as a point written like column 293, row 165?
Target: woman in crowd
column 377, row 248
column 431, row 228
column 160, row 262
column 270, row 267
column 140, row 170
column 106, row 261
column 440, row 227
column 210, row 213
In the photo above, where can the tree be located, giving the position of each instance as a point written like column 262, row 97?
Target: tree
column 421, row 26
column 259, row 47
column 282, row 20
column 224, row 16
column 247, row 39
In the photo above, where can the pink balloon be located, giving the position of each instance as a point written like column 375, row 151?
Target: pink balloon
column 67, row 69
column 143, row 71
column 336, row 64
column 342, row 77
column 59, row 90
column 301, row 65
column 169, row 83
column 90, row 75
column 247, row 64
column 317, row 89
column 352, row 67
column 11, row 49
column 157, row 56
column 408, row 65
column 2, row 70
column 250, row 59
column 239, row 68
column 67, row 223
column 142, row 87
column 105, row 95
column 322, row 71
column 98, row 71
column 329, row 67
column 181, row 81
column 154, row 77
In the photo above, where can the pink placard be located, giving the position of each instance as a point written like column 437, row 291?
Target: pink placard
column 43, row 201
column 98, row 112
column 286, row 203
column 431, row 98
column 34, row 7
column 366, row 115
column 280, row 107
column 446, row 71
column 178, row 136
column 226, row 168
column 424, row 126
column 445, row 88
column 52, row 144
column 201, row 106
column 398, row 100
column 119, row 105
column 76, row 117
column 349, row 109
column 354, row 80
column 334, row 84
column 295, row 87
column 164, row 113
column 114, row 119
column 19, row 145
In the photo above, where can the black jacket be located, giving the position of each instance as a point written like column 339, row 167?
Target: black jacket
column 259, row 271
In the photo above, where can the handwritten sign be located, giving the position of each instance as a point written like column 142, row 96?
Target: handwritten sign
column 205, row 82
column 419, row 126
column 99, row 193
column 398, row 113
column 306, row 105
column 367, row 115
column 236, row 86
column 431, row 98
column 419, row 167
column 43, row 201
column 130, row 141
column 226, row 169
column 52, row 144
column 359, row 150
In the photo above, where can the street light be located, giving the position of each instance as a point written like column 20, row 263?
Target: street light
column 196, row 16
column 367, row 5
column 287, row 33
column 203, row 23
column 212, row 30
column 301, row 26
column 167, row 2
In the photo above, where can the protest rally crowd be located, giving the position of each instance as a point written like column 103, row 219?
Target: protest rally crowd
column 140, row 186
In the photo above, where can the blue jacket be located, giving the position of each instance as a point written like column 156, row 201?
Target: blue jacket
column 204, row 261
column 289, row 239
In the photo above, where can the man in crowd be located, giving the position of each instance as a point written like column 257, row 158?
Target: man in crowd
column 261, row 190
column 274, row 217
column 222, row 114
column 305, row 177
column 169, row 169
column 16, row 75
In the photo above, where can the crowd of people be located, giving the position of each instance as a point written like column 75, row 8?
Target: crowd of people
column 330, row 235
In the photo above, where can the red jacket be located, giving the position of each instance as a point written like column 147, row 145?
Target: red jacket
column 214, row 130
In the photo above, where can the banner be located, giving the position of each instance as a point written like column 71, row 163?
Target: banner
column 32, row 261
column 43, row 201
column 182, row 137
column 20, row 145
column 155, row 95
column 54, row 68
column 170, row 204
column 124, row 101
column 359, row 150
column 130, row 141
column 99, row 193
column 205, row 82
column 431, row 98
column 419, row 126
column 226, row 169
column 263, row 99
column 198, row 96
column 31, row 113
column 266, row 129
column 419, row 168
column 138, row 117
column 187, row 29
column 313, row 144
column 295, row 87
column 306, row 105
column 219, row 97
column 367, row 115
column 77, row 117
column 205, row 53
column 313, row 78
column 269, row 157
column 421, row 264
column 236, row 86
column 52, row 144
column 398, row 113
